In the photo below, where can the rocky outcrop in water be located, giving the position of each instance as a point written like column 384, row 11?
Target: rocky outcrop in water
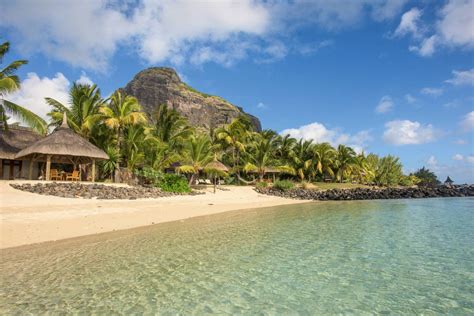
column 159, row 86
column 90, row 191
column 372, row 194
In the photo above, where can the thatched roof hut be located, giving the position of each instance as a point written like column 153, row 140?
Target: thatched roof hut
column 15, row 139
column 448, row 181
column 64, row 142
column 216, row 165
column 63, row 145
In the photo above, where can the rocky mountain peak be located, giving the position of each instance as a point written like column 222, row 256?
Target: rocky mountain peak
column 158, row 86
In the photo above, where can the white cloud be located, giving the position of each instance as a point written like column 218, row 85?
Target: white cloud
column 460, row 142
column 410, row 99
column 320, row 133
column 460, row 171
column 432, row 162
column 261, row 105
column 34, row 89
column 465, row 77
column 452, row 29
column 87, row 34
column 457, row 23
column 467, row 122
column 435, row 92
column 426, row 47
column 84, row 79
column 409, row 23
column 385, row 104
column 405, row 132
column 458, row 157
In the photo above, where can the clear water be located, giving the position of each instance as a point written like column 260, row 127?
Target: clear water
column 399, row 257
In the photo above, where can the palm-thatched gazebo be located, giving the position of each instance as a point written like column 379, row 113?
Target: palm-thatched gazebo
column 215, row 168
column 63, row 146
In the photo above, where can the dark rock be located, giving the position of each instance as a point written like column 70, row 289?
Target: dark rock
column 372, row 193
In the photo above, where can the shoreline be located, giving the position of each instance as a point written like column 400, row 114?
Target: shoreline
column 29, row 218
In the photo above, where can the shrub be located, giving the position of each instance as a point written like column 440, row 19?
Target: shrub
column 149, row 175
column 261, row 185
column 174, row 183
column 283, row 185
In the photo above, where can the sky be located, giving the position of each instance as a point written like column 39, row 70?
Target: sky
column 384, row 76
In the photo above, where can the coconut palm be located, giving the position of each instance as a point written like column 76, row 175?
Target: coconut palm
column 82, row 111
column 121, row 112
column 323, row 160
column 260, row 156
column 285, row 148
column 302, row 160
column 166, row 136
column 345, row 159
column 197, row 154
column 234, row 136
column 9, row 83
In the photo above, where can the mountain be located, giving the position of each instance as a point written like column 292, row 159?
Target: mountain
column 158, row 86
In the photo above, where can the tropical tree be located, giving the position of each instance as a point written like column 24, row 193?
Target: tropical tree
column 344, row 162
column 9, row 83
column 302, row 159
column 285, row 148
column 82, row 111
column 166, row 136
column 426, row 177
column 324, row 157
column 120, row 112
column 234, row 136
column 197, row 154
column 260, row 156
column 389, row 171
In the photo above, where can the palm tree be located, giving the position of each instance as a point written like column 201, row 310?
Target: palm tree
column 285, row 148
column 9, row 83
column 234, row 136
column 121, row 112
column 198, row 153
column 82, row 111
column 323, row 160
column 261, row 155
column 166, row 137
column 345, row 159
column 303, row 158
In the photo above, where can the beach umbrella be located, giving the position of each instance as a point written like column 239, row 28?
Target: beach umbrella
column 216, row 169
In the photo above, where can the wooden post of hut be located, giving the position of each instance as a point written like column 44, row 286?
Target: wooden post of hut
column 30, row 169
column 48, row 167
column 93, row 170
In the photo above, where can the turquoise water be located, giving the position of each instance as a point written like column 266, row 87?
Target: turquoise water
column 399, row 257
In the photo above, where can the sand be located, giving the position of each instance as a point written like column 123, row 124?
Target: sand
column 28, row 218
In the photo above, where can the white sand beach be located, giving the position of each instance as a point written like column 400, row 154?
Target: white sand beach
column 28, row 218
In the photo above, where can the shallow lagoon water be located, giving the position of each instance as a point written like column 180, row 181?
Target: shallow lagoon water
column 397, row 256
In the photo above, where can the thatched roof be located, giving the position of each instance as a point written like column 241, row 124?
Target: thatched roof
column 64, row 142
column 448, row 180
column 217, row 165
column 15, row 139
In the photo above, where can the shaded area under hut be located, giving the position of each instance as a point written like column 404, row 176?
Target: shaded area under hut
column 63, row 146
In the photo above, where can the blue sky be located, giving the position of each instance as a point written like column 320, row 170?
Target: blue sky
column 385, row 76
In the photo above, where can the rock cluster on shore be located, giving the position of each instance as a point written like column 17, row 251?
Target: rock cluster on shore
column 89, row 191
column 372, row 194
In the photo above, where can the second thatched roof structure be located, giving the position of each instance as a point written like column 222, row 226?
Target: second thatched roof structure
column 63, row 142
column 216, row 165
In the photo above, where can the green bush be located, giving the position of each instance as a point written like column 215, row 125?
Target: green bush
column 261, row 185
column 174, row 183
column 283, row 185
column 149, row 175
